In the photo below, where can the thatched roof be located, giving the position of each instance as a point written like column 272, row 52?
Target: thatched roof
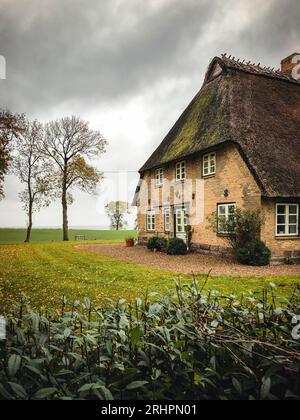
column 258, row 109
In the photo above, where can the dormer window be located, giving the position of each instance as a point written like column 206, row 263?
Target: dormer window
column 209, row 164
column 159, row 177
column 180, row 171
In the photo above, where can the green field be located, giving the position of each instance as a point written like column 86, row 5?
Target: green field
column 13, row 236
column 44, row 272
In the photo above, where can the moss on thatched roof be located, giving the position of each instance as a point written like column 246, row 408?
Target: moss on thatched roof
column 256, row 108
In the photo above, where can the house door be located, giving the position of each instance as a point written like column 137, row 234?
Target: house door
column 180, row 224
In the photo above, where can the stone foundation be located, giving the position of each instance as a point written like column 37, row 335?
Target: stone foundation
column 211, row 249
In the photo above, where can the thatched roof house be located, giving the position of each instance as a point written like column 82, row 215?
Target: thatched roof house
column 253, row 108
column 256, row 108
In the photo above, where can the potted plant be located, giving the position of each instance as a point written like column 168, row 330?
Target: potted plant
column 129, row 242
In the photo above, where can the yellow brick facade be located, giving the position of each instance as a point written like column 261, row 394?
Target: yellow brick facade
column 287, row 247
column 232, row 183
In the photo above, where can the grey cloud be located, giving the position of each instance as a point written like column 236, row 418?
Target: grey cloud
column 95, row 51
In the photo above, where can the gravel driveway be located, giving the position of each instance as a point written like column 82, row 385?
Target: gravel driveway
column 188, row 264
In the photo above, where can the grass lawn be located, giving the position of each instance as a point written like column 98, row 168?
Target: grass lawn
column 45, row 271
column 12, row 236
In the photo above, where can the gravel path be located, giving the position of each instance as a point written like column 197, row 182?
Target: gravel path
column 188, row 264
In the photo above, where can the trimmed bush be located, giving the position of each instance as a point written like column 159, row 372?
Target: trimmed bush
column 177, row 246
column 153, row 243
column 254, row 253
column 160, row 244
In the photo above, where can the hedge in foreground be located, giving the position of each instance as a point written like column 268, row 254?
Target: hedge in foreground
column 186, row 347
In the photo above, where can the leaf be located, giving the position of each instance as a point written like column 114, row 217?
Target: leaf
column 214, row 324
column 14, row 364
column 138, row 302
column 67, row 332
column 44, row 393
column 94, row 387
column 109, row 347
column 237, row 385
column 265, row 388
column 86, row 387
column 197, row 378
column 136, row 334
column 106, row 393
column 135, row 385
column 4, row 393
column 87, row 303
column 36, row 371
column 18, row 390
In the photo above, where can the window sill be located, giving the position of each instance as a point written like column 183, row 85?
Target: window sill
column 180, row 181
column 208, row 176
column 287, row 237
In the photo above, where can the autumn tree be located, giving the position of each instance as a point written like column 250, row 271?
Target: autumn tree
column 69, row 142
column 10, row 127
column 34, row 171
column 117, row 212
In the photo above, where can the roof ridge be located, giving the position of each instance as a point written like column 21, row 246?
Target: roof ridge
column 253, row 68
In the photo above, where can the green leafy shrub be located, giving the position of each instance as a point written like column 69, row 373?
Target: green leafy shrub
column 153, row 243
column 241, row 228
column 156, row 243
column 162, row 244
column 188, row 346
column 254, row 253
column 130, row 238
column 176, row 246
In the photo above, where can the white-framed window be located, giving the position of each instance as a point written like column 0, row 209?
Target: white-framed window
column 226, row 212
column 209, row 164
column 159, row 177
column 167, row 220
column 287, row 219
column 151, row 220
column 181, row 221
column 180, row 171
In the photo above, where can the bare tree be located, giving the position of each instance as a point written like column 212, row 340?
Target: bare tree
column 10, row 127
column 33, row 170
column 117, row 211
column 69, row 142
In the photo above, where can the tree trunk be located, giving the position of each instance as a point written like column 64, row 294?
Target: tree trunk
column 30, row 206
column 65, row 208
column 29, row 227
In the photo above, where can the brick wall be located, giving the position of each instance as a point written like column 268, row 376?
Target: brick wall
column 204, row 194
column 280, row 246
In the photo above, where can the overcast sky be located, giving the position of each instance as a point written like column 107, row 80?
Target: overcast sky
column 130, row 67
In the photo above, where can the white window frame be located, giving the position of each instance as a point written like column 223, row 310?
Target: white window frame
column 211, row 160
column 150, row 221
column 180, row 171
column 159, row 177
column 287, row 223
column 227, row 215
column 167, row 219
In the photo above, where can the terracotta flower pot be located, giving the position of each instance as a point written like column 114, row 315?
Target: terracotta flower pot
column 129, row 243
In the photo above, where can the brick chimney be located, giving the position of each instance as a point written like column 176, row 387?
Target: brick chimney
column 288, row 65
